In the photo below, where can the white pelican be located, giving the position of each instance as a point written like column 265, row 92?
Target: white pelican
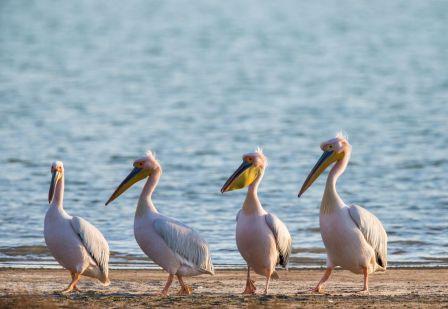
column 175, row 247
column 76, row 244
column 262, row 239
column 354, row 238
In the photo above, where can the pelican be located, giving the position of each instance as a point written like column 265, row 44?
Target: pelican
column 76, row 244
column 354, row 238
column 172, row 245
column 262, row 239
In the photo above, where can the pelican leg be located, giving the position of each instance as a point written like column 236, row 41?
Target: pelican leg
column 72, row 285
column 75, row 287
column 268, row 278
column 320, row 286
column 167, row 285
column 185, row 289
column 366, row 281
column 250, row 286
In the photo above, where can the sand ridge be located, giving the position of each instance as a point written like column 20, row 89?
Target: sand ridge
column 138, row 288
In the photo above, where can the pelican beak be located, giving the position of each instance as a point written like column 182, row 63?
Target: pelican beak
column 134, row 176
column 242, row 177
column 324, row 161
column 56, row 175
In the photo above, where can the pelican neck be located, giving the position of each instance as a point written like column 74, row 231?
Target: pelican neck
column 252, row 203
column 145, row 203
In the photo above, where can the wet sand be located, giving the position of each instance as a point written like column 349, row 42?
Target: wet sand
column 138, row 288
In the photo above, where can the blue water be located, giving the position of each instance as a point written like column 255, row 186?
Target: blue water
column 97, row 83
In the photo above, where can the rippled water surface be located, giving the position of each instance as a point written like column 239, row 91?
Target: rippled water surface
column 97, row 83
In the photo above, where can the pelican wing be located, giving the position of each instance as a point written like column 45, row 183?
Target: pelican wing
column 282, row 238
column 94, row 242
column 373, row 232
column 185, row 242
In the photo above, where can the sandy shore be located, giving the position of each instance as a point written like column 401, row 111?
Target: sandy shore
column 396, row 288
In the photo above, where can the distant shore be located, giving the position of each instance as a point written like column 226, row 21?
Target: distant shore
column 414, row 287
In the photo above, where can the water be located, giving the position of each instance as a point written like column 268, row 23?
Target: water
column 97, row 83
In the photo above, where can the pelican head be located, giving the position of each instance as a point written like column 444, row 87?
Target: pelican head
column 143, row 167
column 334, row 149
column 57, row 171
column 253, row 165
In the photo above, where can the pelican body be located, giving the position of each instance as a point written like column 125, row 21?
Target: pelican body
column 75, row 244
column 262, row 239
column 172, row 245
column 353, row 237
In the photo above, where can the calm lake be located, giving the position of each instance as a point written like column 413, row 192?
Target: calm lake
column 97, row 83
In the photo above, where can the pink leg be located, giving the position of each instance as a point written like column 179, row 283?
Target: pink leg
column 366, row 280
column 319, row 287
column 167, row 285
column 71, row 287
column 185, row 289
column 75, row 287
column 250, row 286
column 268, row 278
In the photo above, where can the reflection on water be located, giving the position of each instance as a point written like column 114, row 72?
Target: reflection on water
column 96, row 84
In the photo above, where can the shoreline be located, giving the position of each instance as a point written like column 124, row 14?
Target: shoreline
column 222, row 268
column 416, row 287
